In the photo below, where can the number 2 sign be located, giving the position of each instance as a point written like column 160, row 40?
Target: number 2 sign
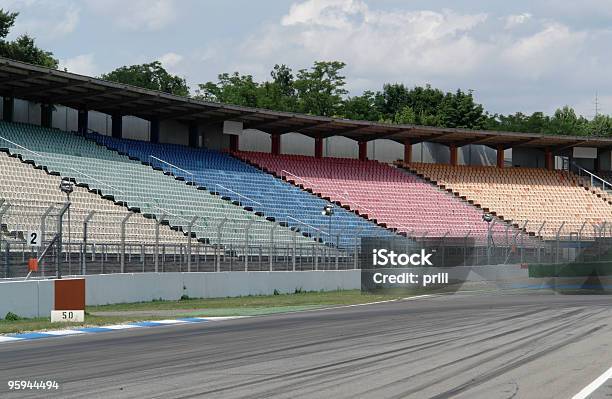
column 33, row 238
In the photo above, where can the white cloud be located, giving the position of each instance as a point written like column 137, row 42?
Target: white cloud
column 173, row 63
column 515, row 61
column 46, row 21
column 137, row 15
column 82, row 64
column 517, row 19
column 372, row 41
column 531, row 56
column 331, row 13
column 552, row 48
column 68, row 23
column 170, row 60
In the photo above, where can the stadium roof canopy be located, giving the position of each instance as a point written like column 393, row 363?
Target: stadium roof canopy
column 44, row 85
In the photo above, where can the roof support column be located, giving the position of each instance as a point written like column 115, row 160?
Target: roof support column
column 8, row 105
column 500, row 156
column 154, row 135
column 193, row 135
column 46, row 115
column 407, row 151
column 599, row 164
column 318, row 147
column 276, row 144
column 83, row 121
column 548, row 158
column 363, row 150
column 234, row 143
column 117, row 125
column 453, row 154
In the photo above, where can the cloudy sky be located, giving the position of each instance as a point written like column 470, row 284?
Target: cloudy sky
column 520, row 55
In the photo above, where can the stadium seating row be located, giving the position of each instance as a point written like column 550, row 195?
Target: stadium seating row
column 30, row 192
column 552, row 199
column 220, row 172
column 387, row 194
column 139, row 186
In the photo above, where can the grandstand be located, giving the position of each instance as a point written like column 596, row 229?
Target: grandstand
column 380, row 192
column 31, row 192
column 250, row 187
column 137, row 186
column 548, row 200
column 251, row 184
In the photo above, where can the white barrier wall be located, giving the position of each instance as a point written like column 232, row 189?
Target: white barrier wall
column 120, row 288
column 32, row 298
column 35, row 298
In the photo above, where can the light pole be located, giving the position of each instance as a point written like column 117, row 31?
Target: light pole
column 328, row 210
column 487, row 217
column 67, row 188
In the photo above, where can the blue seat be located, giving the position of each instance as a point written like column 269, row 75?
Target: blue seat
column 232, row 178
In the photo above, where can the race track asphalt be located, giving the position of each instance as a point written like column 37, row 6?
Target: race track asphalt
column 459, row 346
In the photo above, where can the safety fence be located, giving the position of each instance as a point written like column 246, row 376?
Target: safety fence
column 66, row 241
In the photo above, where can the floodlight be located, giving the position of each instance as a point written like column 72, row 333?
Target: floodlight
column 66, row 186
column 328, row 210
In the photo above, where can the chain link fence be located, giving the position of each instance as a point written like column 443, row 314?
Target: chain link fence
column 80, row 242
column 102, row 243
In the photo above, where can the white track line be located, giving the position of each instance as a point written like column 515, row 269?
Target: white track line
column 412, row 298
column 593, row 386
column 62, row 332
column 170, row 321
column 121, row 326
column 220, row 318
column 8, row 339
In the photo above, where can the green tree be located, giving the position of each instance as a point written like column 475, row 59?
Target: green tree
column 392, row 99
column 278, row 94
column 565, row 122
column 7, row 20
column 24, row 48
column 282, row 77
column 231, row 89
column 459, row 110
column 406, row 116
column 519, row 122
column 149, row 76
column 536, row 123
column 426, row 102
column 361, row 107
column 601, row 125
column 320, row 89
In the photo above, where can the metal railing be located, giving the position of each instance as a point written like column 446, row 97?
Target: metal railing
column 117, row 242
column 175, row 167
column 107, row 242
column 238, row 194
column 22, row 147
column 308, row 225
column 594, row 180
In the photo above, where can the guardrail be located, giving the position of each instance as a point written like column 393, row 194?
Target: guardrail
column 602, row 183
column 175, row 167
column 238, row 194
